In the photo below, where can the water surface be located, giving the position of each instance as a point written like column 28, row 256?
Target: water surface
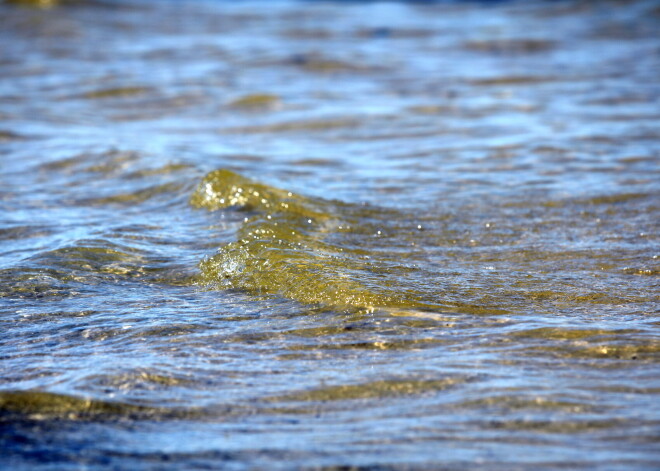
column 316, row 235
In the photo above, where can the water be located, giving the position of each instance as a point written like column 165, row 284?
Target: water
column 329, row 234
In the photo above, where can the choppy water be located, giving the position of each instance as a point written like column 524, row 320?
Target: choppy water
column 329, row 234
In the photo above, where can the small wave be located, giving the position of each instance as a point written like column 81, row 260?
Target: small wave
column 310, row 250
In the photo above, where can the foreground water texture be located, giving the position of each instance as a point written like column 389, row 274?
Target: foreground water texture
column 319, row 235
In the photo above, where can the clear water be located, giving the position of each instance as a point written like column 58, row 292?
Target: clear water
column 452, row 260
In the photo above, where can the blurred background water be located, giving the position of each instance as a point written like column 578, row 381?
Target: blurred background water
column 452, row 260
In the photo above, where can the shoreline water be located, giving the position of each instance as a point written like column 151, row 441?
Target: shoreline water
column 323, row 235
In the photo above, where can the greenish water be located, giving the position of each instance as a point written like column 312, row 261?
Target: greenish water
column 324, row 235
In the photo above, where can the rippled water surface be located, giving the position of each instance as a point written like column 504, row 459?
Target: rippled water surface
column 329, row 234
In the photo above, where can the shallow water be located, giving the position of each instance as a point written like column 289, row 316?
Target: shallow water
column 329, row 234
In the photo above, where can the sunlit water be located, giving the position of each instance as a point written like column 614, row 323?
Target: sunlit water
column 329, row 234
